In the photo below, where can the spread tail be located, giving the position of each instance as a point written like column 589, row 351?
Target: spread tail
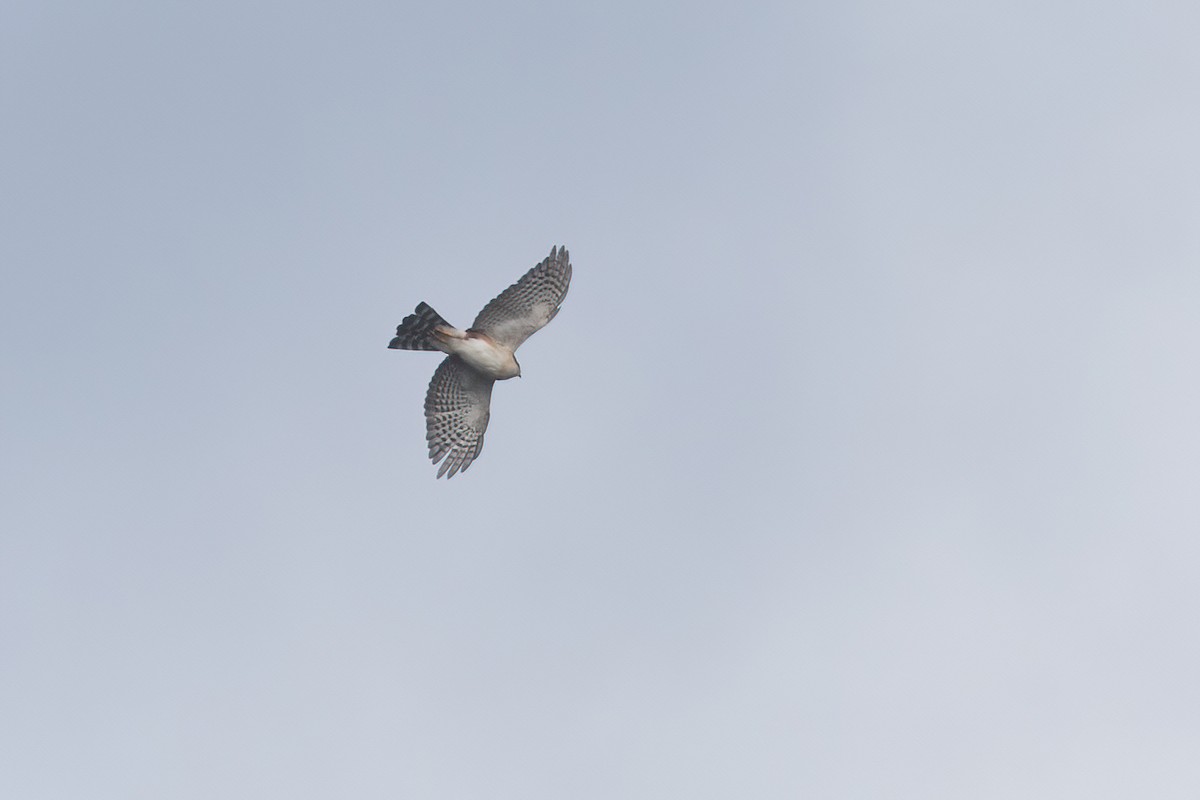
column 416, row 331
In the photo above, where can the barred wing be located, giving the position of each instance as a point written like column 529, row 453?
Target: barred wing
column 530, row 303
column 457, row 407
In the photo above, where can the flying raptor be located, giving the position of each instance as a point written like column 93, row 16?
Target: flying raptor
column 457, row 405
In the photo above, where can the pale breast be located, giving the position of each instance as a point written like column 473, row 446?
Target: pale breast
column 486, row 356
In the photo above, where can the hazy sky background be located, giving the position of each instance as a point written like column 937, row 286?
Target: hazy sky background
column 861, row 461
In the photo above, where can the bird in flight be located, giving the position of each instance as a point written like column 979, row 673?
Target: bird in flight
column 457, row 405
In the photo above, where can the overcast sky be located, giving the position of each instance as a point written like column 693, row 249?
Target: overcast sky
column 861, row 461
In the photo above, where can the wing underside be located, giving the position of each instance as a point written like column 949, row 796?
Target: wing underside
column 457, row 408
column 525, row 307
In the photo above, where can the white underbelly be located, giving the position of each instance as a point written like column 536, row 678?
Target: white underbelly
column 486, row 357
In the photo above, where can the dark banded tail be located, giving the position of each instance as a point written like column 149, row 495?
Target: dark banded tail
column 415, row 331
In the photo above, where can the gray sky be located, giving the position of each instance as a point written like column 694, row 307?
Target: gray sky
column 861, row 461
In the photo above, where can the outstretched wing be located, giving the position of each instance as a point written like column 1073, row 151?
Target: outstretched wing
column 528, row 304
column 457, row 407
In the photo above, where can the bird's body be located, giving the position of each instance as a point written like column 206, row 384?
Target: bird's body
column 480, row 352
column 457, row 405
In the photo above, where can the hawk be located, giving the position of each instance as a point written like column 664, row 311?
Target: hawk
column 460, row 394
